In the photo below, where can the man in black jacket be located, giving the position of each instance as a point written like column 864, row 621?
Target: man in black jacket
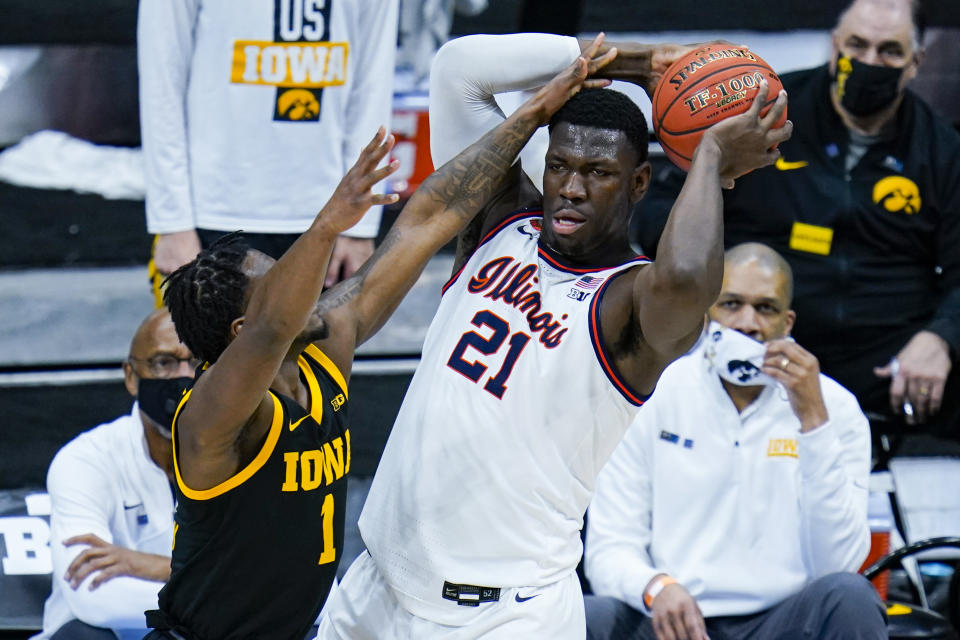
column 865, row 205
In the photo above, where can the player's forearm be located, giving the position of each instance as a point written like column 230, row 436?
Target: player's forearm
column 632, row 64
column 458, row 189
column 689, row 267
column 287, row 294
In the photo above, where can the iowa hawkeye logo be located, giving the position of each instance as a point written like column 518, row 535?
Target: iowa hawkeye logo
column 897, row 194
column 300, row 61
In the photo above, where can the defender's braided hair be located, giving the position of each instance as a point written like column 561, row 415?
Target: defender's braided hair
column 606, row 109
column 205, row 295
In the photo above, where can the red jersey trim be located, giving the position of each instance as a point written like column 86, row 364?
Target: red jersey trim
column 596, row 339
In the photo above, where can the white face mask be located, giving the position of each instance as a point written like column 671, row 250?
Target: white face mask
column 736, row 357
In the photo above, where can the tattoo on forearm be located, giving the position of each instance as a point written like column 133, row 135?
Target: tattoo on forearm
column 341, row 294
column 345, row 291
column 465, row 183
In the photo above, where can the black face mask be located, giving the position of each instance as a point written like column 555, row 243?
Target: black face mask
column 160, row 397
column 864, row 89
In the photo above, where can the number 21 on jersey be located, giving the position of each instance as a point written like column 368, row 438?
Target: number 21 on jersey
column 488, row 346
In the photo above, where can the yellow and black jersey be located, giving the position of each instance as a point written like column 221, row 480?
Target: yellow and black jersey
column 255, row 556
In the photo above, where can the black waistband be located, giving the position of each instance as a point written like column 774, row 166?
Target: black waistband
column 469, row 595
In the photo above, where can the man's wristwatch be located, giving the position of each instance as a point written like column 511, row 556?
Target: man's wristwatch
column 655, row 588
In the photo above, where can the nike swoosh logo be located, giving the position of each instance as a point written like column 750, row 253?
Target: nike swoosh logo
column 297, row 423
column 519, row 599
column 133, row 506
column 783, row 165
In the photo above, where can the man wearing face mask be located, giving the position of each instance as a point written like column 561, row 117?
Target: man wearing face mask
column 111, row 524
column 736, row 505
column 864, row 204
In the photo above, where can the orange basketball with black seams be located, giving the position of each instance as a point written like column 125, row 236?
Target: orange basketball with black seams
column 704, row 87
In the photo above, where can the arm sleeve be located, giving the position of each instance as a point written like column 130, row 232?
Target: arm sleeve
column 469, row 71
column 834, row 476
column 81, row 502
column 371, row 96
column 164, row 53
column 617, row 559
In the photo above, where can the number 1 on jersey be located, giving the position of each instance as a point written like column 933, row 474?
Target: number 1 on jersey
column 496, row 385
column 329, row 553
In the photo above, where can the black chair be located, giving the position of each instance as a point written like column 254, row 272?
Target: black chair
column 905, row 620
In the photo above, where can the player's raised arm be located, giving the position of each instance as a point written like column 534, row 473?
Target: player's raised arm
column 671, row 296
column 229, row 404
column 658, row 314
column 440, row 208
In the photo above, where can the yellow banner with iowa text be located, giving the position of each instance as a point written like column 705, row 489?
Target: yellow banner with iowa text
column 311, row 65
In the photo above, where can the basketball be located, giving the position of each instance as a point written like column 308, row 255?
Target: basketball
column 702, row 88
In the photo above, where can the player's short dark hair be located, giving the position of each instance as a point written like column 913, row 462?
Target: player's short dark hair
column 606, row 109
column 207, row 294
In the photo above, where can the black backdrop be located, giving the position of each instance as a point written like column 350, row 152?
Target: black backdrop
column 114, row 21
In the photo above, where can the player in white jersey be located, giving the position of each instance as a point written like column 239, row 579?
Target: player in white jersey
column 546, row 341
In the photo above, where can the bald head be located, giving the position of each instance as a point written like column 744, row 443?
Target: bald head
column 151, row 331
column 766, row 258
column 884, row 15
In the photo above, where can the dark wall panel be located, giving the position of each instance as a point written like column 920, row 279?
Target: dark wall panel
column 68, row 21
column 36, row 421
column 503, row 16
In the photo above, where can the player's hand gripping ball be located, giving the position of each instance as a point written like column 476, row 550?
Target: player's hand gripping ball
column 704, row 87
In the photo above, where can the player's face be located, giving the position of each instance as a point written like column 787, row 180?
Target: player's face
column 753, row 300
column 590, row 183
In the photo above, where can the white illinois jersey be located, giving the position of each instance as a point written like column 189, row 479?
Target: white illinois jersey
column 509, row 418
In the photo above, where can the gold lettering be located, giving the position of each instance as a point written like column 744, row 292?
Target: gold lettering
column 332, row 464
column 310, row 65
column 290, row 459
column 782, row 447
column 311, row 463
column 336, row 65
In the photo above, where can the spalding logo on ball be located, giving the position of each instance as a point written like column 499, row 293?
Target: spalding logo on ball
column 704, row 87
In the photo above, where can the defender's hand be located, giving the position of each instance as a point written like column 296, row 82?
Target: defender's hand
column 173, row 250
column 548, row 100
column 353, row 195
column 919, row 376
column 676, row 615
column 746, row 141
column 661, row 58
column 110, row 561
column 798, row 371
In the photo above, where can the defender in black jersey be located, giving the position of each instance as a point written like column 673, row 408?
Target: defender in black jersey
column 300, row 470
column 261, row 445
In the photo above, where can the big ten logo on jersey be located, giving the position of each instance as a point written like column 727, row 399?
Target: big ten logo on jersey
column 309, row 470
column 299, row 62
column 26, row 539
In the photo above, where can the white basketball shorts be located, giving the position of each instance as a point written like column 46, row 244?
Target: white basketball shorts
column 365, row 608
